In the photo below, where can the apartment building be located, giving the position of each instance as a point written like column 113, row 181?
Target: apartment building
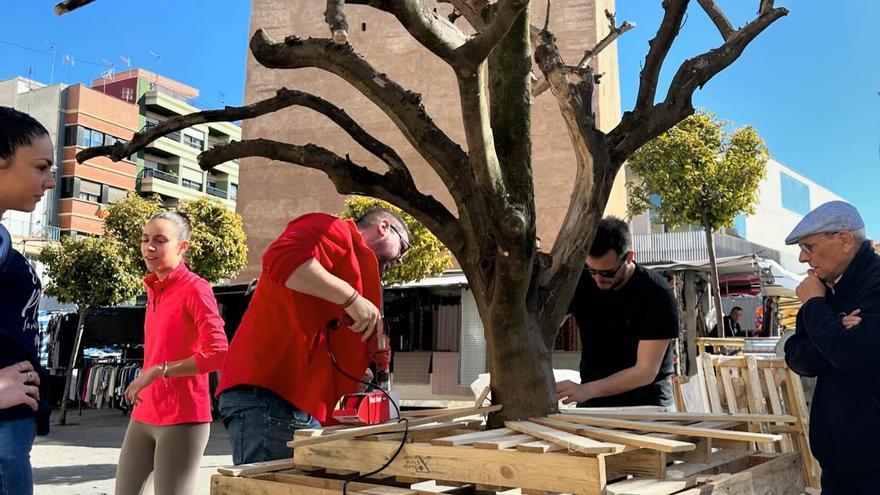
column 169, row 166
column 92, row 118
column 31, row 230
column 784, row 198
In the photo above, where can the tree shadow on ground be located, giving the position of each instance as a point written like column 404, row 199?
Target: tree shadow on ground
column 68, row 475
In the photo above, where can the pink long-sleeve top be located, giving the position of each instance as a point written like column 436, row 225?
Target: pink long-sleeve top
column 182, row 320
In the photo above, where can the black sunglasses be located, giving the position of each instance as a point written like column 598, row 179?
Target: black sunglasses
column 607, row 273
column 404, row 244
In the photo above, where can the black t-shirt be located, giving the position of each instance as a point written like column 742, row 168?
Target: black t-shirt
column 20, row 292
column 612, row 322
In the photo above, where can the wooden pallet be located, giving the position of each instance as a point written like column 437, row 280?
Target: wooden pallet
column 750, row 384
column 584, row 453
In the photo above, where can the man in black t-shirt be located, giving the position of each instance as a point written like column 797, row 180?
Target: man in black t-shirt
column 732, row 327
column 627, row 317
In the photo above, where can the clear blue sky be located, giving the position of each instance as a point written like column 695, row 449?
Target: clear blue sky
column 809, row 84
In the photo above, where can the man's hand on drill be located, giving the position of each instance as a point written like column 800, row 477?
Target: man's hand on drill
column 366, row 316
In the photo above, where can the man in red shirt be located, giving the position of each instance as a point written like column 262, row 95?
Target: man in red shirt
column 278, row 376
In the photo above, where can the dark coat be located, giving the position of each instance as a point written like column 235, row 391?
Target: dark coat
column 845, row 415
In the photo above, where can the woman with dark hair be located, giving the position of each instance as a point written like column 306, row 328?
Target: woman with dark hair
column 26, row 173
column 183, row 341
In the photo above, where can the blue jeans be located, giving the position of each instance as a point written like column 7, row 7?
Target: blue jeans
column 16, row 439
column 260, row 423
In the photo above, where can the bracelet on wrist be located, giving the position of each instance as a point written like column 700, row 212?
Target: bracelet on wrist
column 165, row 370
column 351, row 299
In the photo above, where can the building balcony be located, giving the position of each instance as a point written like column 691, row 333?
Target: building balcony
column 167, row 104
column 220, row 193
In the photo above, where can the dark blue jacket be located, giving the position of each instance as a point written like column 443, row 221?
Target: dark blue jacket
column 845, row 415
column 20, row 292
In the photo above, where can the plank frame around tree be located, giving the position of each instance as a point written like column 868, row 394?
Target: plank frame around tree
column 572, row 442
column 584, row 475
column 391, row 427
column 621, row 437
column 692, row 431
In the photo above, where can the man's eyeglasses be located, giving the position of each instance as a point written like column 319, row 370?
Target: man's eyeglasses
column 404, row 244
column 607, row 273
column 808, row 247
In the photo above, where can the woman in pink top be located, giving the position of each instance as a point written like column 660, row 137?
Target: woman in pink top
column 183, row 341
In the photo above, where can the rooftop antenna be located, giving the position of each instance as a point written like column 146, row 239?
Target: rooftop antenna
column 51, row 49
column 108, row 75
column 158, row 57
column 69, row 62
column 127, row 62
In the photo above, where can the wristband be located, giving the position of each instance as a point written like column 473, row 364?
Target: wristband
column 351, row 299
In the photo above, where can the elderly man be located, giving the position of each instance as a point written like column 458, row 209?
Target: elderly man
column 837, row 340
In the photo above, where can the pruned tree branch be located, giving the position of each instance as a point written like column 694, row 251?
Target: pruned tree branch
column 766, row 6
column 429, row 28
column 660, row 45
column 471, row 10
column 643, row 124
column 718, row 18
column 403, row 107
column 614, row 32
column 349, row 178
column 478, row 48
column 335, row 18
column 283, row 98
column 573, row 88
column 66, row 6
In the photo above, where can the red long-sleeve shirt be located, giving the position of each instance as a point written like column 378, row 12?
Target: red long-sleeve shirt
column 182, row 320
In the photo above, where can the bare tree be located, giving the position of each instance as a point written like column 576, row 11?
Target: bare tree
column 522, row 293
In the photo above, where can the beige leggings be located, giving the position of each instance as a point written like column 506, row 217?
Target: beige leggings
column 172, row 453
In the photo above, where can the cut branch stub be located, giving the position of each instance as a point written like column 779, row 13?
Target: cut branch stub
column 335, row 17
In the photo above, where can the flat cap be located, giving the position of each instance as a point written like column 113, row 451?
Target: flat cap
column 834, row 216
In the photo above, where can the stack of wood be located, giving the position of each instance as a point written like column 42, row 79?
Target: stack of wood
column 581, row 451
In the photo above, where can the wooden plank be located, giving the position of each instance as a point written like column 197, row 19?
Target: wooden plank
column 711, row 383
column 641, row 462
column 740, row 362
column 256, row 468
column 482, row 398
column 701, row 453
column 622, row 437
column 503, row 442
column 510, row 468
column 755, row 396
column 388, row 427
column 686, row 416
column 718, row 459
column 469, row 438
column 729, row 393
column 231, row 485
column 335, row 484
column 798, row 406
column 775, row 401
column 781, row 475
column 423, row 413
column 539, row 446
column 642, row 486
column 427, row 432
column 572, row 442
column 665, row 428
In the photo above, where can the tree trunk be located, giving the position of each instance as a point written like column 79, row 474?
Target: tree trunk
column 520, row 364
column 74, row 357
column 713, row 280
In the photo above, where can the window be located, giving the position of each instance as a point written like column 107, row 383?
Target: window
column 83, row 137
column 70, row 135
column 795, row 194
column 97, row 139
column 233, row 191
column 191, row 184
column 115, row 194
column 194, row 139
column 89, row 191
column 739, row 225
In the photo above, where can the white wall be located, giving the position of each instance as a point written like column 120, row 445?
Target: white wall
column 772, row 222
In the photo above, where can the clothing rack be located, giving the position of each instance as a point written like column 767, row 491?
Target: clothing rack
column 89, row 362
